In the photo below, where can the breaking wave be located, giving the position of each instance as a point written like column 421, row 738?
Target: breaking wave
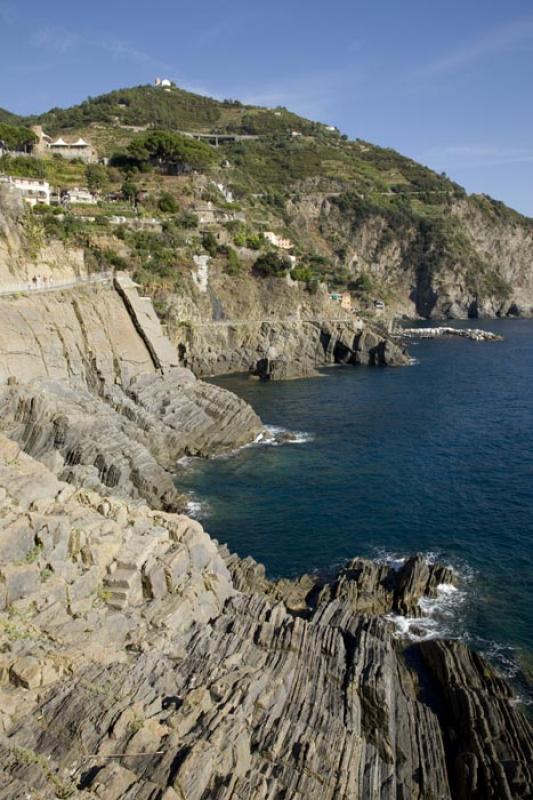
column 278, row 436
column 440, row 616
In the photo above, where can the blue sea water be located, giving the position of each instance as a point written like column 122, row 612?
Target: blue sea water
column 434, row 458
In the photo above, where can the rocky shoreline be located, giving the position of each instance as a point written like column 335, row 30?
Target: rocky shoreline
column 140, row 660
column 475, row 334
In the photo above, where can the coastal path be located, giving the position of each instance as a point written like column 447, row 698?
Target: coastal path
column 45, row 287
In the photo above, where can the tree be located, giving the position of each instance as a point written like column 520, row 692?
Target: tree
column 272, row 265
column 233, row 264
column 96, row 176
column 129, row 190
column 169, row 151
column 17, row 137
column 167, row 203
column 210, row 243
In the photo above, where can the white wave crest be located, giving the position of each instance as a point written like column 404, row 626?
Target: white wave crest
column 196, row 510
column 277, row 436
column 437, row 615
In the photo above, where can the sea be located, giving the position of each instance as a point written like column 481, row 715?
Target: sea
column 435, row 458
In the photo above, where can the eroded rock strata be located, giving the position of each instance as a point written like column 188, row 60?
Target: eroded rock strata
column 140, row 660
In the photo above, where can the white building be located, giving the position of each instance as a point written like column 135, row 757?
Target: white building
column 164, row 83
column 32, row 190
column 78, row 149
column 82, row 196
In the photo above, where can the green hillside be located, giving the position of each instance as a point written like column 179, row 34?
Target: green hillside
column 173, row 109
column 7, row 116
column 361, row 217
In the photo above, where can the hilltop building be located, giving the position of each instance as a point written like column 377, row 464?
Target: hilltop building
column 70, row 150
column 164, row 83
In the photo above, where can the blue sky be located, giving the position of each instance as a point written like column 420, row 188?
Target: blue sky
column 448, row 83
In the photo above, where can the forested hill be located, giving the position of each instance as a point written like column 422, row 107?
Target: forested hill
column 174, row 109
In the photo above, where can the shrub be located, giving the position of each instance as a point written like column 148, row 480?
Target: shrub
column 210, row 243
column 302, row 273
column 233, row 264
column 187, row 219
column 363, row 284
column 246, row 238
column 167, row 203
column 272, row 265
column 97, row 177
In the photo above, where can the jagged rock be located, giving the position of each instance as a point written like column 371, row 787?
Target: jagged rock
column 126, row 442
column 205, row 681
column 278, row 369
column 489, row 742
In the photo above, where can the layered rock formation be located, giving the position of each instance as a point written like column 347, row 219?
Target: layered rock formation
column 89, row 385
column 141, row 661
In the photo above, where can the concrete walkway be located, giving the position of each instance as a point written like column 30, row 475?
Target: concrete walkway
column 271, row 320
column 41, row 287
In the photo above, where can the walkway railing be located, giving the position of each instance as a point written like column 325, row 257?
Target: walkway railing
column 45, row 285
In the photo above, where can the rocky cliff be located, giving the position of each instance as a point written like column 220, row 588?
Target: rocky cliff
column 141, row 661
column 466, row 257
column 273, row 328
column 91, row 386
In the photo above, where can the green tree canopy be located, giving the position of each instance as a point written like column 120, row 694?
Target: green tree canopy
column 272, row 265
column 129, row 190
column 170, row 151
column 17, row 137
column 97, row 177
column 167, row 203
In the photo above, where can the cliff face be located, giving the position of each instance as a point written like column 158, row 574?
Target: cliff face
column 90, row 385
column 474, row 260
column 25, row 253
column 274, row 327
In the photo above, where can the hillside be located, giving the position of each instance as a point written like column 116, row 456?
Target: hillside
column 360, row 218
column 174, row 109
column 7, row 116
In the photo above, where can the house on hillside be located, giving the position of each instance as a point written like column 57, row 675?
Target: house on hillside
column 278, row 241
column 67, row 149
column 343, row 298
column 164, row 83
column 32, row 190
column 79, row 196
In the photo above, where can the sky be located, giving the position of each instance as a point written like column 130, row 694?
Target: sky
column 447, row 83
